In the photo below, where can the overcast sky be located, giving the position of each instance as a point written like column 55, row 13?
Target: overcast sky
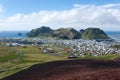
column 78, row 14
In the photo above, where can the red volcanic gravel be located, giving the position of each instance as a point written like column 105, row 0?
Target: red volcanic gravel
column 82, row 69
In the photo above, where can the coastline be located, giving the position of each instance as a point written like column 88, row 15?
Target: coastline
column 14, row 34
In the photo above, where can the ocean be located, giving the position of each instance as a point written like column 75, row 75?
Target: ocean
column 113, row 34
column 14, row 34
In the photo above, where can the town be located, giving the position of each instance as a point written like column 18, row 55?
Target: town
column 74, row 48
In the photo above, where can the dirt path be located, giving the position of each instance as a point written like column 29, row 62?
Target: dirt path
column 83, row 69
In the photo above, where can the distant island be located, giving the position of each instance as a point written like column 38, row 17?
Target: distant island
column 19, row 34
column 68, row 33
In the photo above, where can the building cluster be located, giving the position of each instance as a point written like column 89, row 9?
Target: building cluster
column 77, row 47
column 92, row 47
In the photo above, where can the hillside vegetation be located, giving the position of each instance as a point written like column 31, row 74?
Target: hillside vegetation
column 14, row 59
column 94, row 33
column 68, row 33
column 43, row 31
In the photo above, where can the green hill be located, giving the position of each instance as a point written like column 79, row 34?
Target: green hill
column 69, row 33
column 66, row 33
column 93, row 33
column 63, row 33
column 43, row 31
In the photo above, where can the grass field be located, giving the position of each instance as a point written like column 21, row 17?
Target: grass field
column 14, row 59
column 105, row 57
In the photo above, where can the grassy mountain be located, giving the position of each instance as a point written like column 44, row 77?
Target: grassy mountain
column 69, row 33
column 62, row 33
column 93, row 33
column 66, row 33
column 43, row 31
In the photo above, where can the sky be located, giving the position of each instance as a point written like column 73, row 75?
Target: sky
column 79, row 14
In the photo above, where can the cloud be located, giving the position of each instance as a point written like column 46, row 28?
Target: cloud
column 112, row 6
column 106, row 17
column 14, row 19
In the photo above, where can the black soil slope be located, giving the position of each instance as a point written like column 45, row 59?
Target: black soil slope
column 83, row 69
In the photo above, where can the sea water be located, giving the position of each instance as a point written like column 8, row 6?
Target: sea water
column 13, row 34
column 113, row 34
